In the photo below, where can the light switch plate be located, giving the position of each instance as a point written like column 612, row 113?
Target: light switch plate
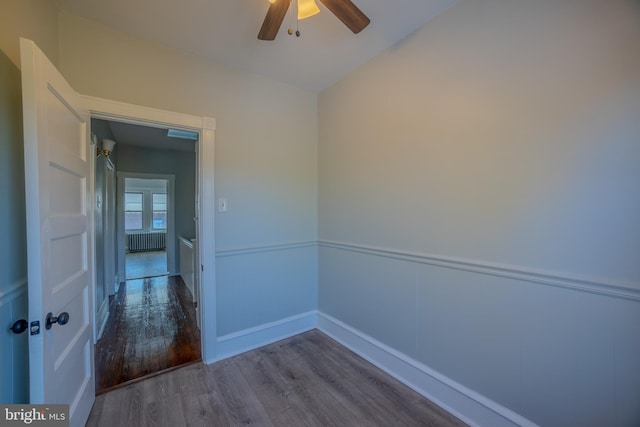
column 223, row 204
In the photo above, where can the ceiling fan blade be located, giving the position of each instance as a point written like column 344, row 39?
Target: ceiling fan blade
column 273, row 20
column 348, row 13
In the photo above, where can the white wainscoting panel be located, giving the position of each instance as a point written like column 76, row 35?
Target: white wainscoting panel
column 252, row 338
column 264, row 294
column 528, row 346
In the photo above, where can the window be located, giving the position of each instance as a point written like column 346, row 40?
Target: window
column 133, row 211
column 145, row 205
column 159, row 202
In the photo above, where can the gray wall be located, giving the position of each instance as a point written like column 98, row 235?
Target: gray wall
column 179, row 163
column 479, row 204
column 12, row 213
column 13, row 297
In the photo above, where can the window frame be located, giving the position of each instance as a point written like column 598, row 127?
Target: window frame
column 141, row 211
column 153, row 211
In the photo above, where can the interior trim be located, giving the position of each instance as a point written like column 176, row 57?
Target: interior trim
column 599, row 286
column 466, row 404
column 205, row 126
column 251, row 338
column 13, row 291
column 102, row 316
column 264, row 248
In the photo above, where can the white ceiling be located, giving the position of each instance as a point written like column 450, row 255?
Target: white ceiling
column 225, row 31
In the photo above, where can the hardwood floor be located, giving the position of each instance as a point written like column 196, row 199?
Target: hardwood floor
column 306, row 380
column 151, row 327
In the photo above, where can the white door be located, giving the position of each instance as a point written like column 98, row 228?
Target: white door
column 59, row 237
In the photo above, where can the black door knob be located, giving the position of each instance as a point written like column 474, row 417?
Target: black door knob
column 19, row 326
column 60, row 319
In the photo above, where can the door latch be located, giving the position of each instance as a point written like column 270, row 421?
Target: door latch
column 35, row 327
column 19, row 326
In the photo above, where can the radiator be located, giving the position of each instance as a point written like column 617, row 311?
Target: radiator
column 140, row 242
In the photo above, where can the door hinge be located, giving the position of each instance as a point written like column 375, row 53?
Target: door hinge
column 35, row 327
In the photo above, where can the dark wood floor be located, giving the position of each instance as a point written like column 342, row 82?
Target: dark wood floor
column 151, row 327
column 306, row 380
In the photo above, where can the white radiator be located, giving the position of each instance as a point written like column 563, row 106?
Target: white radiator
column 152, row 241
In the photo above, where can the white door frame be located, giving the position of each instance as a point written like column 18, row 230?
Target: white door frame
column 171, row 215
column 205, row 227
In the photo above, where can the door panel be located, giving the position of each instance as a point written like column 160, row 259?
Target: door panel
column 59, row 234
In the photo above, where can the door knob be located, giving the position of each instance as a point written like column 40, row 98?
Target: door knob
column 60, row 319
column 19, row 326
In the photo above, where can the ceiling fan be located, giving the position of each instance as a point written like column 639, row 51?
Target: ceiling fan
column 344, row 10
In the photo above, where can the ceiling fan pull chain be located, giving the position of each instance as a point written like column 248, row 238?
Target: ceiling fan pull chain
column 297, row 19
column 290, row 30
column 289, row 12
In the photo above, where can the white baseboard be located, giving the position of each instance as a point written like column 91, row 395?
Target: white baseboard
column 471, row 407
column 468, row 405
column 252, row 338
column 102, row 316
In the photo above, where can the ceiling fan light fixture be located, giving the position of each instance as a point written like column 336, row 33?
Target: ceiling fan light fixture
column 307, row 8
column 344, row 10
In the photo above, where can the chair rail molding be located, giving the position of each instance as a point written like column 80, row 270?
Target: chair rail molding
column 273, row 247
column 606, row 287
column 13, row 291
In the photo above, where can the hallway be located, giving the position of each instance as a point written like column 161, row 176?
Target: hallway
column 151, row 328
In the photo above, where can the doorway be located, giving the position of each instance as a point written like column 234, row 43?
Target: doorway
column 204, row 273
column 152, row 322
column 152, row 319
